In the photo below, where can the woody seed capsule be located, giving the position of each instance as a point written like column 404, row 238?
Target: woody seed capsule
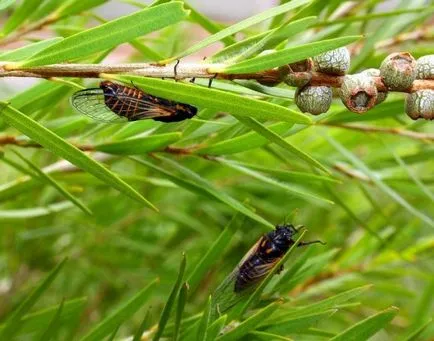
column 382, row 95
column 425, row 67
column 314, row 99
column 398, row 70
column 420, row 104
column 358, row 92
column 334, row 62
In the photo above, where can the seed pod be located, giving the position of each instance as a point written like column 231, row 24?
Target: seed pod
column 398, row 70
column 358, row 92
column 334, row 62
column 425, row 67
column 382, row 95
column 420, row 104
column 301, row 66
column 314, row 99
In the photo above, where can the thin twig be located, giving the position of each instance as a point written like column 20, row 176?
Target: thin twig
column 350, row 172
column 422, row 34
column 186, row 70
column 36, row 26
column 12, row 140
column 394, row 131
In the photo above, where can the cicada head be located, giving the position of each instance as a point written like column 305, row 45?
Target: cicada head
column 109, row 88
column 283, row 234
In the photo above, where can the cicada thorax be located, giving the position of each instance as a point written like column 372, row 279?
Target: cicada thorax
column 269, row 250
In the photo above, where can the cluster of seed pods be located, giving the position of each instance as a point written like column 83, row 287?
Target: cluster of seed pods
column 359, row 92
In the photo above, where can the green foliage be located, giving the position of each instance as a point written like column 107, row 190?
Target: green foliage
column 361, row 183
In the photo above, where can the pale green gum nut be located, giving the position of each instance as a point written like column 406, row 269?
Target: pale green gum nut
column 334, row 62
column 314, row 99
column 425, row 67
column 398, row 71
column 420, row 104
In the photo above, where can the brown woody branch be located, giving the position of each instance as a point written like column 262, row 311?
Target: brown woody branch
column 186, row 71
column 394, row 131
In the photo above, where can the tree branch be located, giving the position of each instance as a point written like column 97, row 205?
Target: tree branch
column 372, row 129
column 186, row 70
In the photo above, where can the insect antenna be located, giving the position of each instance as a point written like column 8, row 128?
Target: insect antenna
column 311, row 242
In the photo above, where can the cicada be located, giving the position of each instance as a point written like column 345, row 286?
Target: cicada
column 113, row 102
column 256, row 265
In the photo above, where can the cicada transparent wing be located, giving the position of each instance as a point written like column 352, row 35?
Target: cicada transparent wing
column 225, row 296
column 116, row 108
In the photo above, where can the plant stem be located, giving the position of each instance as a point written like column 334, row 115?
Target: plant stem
column 394, row 131
column 183, row 71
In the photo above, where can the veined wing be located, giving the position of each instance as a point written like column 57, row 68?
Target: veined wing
column 92, row 103
column 225, row 297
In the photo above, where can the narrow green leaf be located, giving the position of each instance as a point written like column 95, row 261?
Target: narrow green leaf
column 300, row 177
column 273, row 137
column 170, row 301
column 293, row 189
column 415, row 331
column 222, row 196
column 202, row 332
column 139, row 145
column 368, row 327
column 198, row 185
column 50, row 332
column 32, row 323
column 206, row 23
column 67, row 151
column 146, row 321
column 262, row 41
column 28, row 50
column 378, row 182
column 285, row 56
column 269, row 336
column 46, row 8
column 250, row 324
column 216, row 99
column 5, row 4
column 49, row 180
column 77, row 7
column 373, row 16
column 14, row 324
column 109, row 35
column 332, row 302
column 261, row 286
column 296, row 324
column 38, row 97
column 215, row 328
column 244, row 142
column 275, row 37
column 214, row 253
column 239, row 27
column 20, row 15
column 124, row 312
column 34, row 212
column 182, row 299
column 113, row 334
